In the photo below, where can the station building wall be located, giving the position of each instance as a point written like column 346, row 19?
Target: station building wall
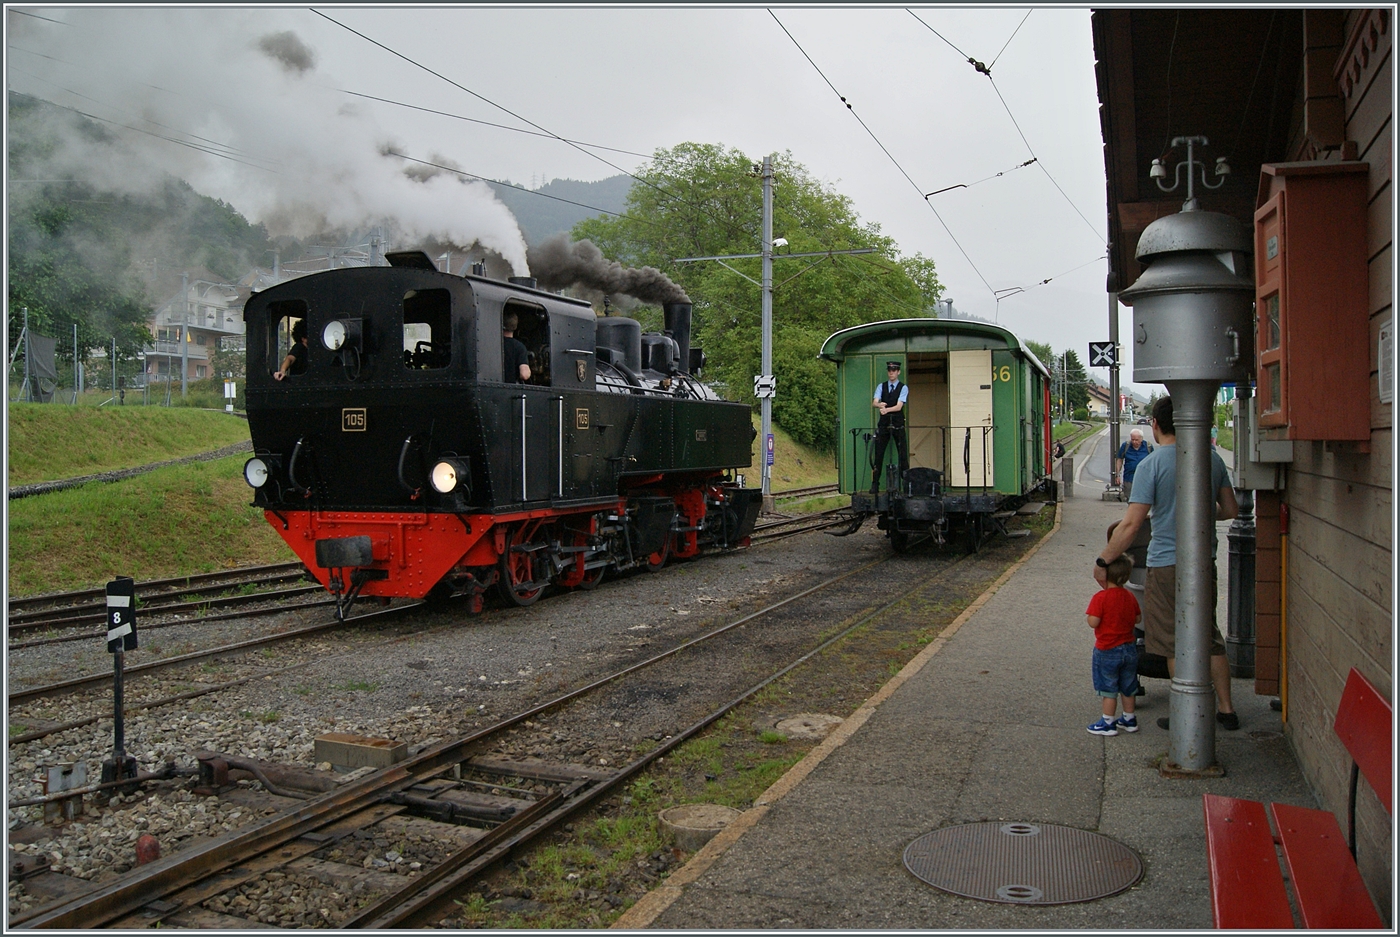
column 1327, row 605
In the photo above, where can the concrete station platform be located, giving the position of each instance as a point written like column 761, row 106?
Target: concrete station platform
column 987, row 724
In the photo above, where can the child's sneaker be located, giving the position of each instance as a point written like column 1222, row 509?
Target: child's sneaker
column 1128, row 723
column 1105, row 726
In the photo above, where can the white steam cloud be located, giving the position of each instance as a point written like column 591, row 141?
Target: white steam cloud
column 256, row 124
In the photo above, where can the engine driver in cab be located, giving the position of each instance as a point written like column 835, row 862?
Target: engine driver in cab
column 516, row 358
column 890, row 398
column 295, row 362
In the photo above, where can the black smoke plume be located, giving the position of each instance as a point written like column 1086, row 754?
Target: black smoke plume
column 289, row 51
column 558, row 263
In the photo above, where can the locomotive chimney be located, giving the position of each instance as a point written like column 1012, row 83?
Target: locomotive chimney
column 530, row 282
column 677, row 317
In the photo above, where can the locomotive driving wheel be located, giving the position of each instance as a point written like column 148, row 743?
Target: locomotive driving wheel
column 518, row 566
column 658, row 559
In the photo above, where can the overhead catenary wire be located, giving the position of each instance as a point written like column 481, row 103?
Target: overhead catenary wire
column 886, row 151
column 472, row 175
column 1039, row 283
column 1009, row 38
column 987, row 70
column 995, row 175
column 1038, row 161
column 194, row 146
column 501, row 107
column 37, row 16
column 78, row 94
column 487, row 123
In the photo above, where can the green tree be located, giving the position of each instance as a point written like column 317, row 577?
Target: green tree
column 1043, row 352
column 1076, row 381
column 705, row 200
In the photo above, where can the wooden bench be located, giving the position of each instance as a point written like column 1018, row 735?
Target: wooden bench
column 1246, row 881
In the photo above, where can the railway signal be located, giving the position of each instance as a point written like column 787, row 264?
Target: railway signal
column 121, row 637
column 1101, row 355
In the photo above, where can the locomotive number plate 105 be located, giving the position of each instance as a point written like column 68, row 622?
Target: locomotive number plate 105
column 580, row 418
column 353, row 420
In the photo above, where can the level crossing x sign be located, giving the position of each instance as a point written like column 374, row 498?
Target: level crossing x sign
column 1101, row 355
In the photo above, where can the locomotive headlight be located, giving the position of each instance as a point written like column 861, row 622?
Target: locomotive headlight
column 333, row 335
column 255, row 473
column 446, row 475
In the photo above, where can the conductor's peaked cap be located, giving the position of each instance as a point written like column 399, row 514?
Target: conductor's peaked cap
column 891, row 365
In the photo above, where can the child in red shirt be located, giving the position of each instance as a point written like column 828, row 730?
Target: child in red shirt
column 1112, row 613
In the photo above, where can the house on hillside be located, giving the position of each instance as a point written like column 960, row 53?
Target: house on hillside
column 1100, row 401
column 202, row 316
column 1300, row 102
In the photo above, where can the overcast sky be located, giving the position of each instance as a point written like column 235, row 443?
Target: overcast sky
column 633, row 79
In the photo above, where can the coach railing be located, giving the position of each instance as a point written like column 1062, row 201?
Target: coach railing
column 957, row 445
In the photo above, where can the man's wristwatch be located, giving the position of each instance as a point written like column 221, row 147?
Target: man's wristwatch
column 1100, row 562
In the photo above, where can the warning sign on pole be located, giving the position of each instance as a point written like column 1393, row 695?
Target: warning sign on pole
column 770, row 449
column 121, row 614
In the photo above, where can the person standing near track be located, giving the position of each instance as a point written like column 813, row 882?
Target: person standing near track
column 890, row 398
column 1130, row 454
column 1154, row 490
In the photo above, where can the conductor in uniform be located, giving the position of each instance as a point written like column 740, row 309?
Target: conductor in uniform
column 890, row 397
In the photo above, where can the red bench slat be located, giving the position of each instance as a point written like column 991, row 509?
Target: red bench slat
column 1246, row 884
column 1328, row 887
column 1363, row 724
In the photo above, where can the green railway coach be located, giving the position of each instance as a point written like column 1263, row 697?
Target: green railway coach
column 977, row 420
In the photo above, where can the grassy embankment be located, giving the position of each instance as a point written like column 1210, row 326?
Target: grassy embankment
column 53, row 441
column 795, row 466
column 174, row 521
column 183, row 519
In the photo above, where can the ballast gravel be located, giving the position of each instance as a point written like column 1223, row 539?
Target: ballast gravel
column 438, row 674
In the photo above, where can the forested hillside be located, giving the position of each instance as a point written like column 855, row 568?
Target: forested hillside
column 80, row 253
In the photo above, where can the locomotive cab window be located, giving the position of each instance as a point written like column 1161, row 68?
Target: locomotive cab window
column 427, row 329
column 286, row 339
column 529, row 326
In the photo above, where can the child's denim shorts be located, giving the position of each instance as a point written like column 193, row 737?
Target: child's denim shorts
column 1115, row 670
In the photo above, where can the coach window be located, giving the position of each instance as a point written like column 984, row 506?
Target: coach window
column 427, row 329
column 283, row 319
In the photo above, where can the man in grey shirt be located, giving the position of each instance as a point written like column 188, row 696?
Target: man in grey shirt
column 1154, row 490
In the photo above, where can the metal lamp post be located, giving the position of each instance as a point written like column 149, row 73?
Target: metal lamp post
column 1192, row 309
column 765, row 385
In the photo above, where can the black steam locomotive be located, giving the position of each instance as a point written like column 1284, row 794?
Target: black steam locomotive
column 397, row 458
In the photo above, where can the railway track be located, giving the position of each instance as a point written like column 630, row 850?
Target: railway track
column 809, row 492
column 449, row 781
column 204, row 590
column 76, row 684
column 765, row 533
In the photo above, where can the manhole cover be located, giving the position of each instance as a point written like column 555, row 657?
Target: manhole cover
column 1022, row 863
